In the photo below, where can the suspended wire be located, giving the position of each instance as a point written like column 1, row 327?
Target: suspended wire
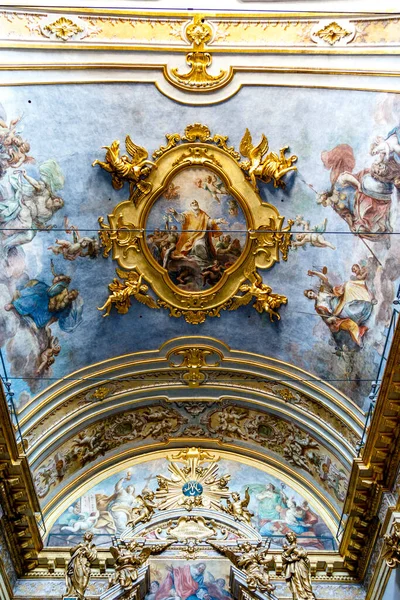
column 246, row 231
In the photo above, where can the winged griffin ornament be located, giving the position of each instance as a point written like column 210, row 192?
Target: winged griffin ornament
column 123, row 168
column 271, row 167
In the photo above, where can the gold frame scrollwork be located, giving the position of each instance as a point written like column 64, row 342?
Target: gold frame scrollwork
column 124, row 235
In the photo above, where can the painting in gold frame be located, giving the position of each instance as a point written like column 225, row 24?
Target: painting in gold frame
column 195, row 228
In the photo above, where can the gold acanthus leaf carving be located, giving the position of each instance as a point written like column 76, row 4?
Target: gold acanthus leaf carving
column 63, row 28
column 126, row 235
column 193, row 360
column 121, row 293
column 198, row 77
column 267, row 236
column 198, row 33
column 266, row 167
column 122, row 168
column 196, row 156
column 391, row 551
column 332, row 33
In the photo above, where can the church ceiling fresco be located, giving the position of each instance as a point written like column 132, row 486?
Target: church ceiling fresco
column 277, row 507
column 339, row 285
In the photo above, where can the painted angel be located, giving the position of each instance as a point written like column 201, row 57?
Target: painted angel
column 13, row 149
column 312, row 235
column 29, row 204
column 213, row 185
column 78, row 246
column 363, row 200
column 127, row 168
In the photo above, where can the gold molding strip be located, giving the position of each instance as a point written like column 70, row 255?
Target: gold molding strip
column 315, row 33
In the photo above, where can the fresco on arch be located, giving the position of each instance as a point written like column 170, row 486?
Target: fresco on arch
column 277, row 508
column 340, row 286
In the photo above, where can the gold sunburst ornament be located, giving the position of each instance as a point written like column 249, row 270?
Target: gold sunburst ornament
column 194, row 482
column 195, row 230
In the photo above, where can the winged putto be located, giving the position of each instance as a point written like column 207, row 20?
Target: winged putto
column 267, row 167
column 265, row 299
column 121, row 292
column 131, row 168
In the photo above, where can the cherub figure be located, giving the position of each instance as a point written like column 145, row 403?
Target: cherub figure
column 159, row 419
column 266, row 301
column 313, row 236
column 121, row 293
column 13, row 149
column 238, row 508
column 212, row 273
column 79, row 246
column 384, row 148
column 267, row 168
column 213, row 185
column 144, row 509
column 47, row 357
column 123, row 168
column 231, row 422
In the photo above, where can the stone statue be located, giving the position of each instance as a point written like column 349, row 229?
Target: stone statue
column 252, row 560
column 237, row 508
column 78, row 569
column 128, row 559
column 144, row 509
column 296, row 566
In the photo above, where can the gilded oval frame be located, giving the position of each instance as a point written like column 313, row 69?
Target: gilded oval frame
column 126, row 234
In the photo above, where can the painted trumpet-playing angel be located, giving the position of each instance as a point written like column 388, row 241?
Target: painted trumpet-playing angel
column 266, row 301
column 252, row 560
column 237, row 508
column 122, row 291
column 127, row 168
column 267, row 167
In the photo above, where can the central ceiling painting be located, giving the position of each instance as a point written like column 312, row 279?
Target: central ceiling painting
column 340, row 277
